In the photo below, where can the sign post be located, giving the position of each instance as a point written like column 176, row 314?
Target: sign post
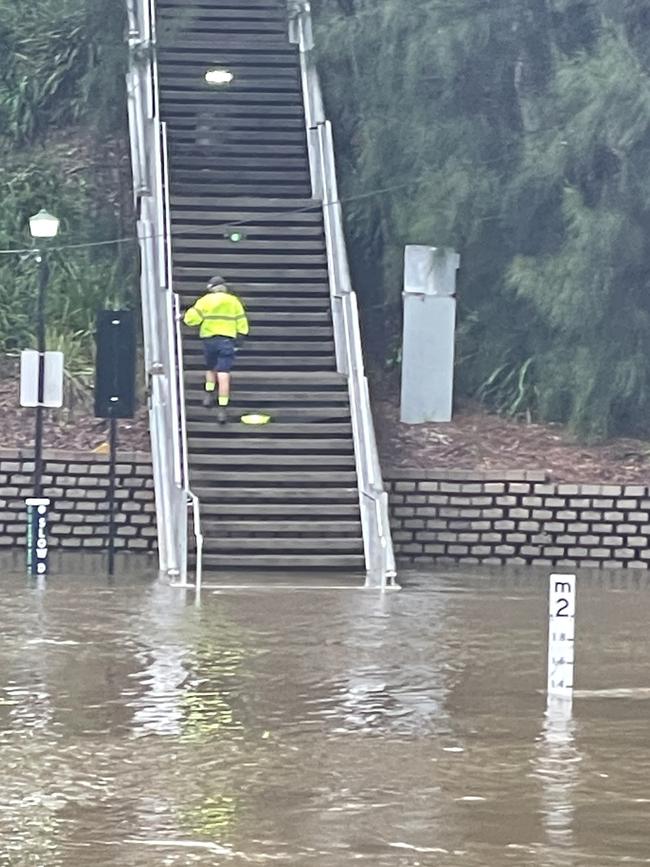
column 561, row 638
column 41, row 386
column 37, row 547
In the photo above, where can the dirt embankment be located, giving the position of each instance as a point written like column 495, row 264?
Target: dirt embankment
column 474, row 440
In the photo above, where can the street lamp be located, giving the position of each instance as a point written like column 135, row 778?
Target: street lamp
column 43, row 226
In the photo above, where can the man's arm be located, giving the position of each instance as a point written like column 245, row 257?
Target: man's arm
column 193, row 316
column 242, row 320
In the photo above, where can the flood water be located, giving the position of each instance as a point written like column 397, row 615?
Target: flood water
column 320, row 728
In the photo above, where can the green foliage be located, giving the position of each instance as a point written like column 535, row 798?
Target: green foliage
column 62, row 115
column 60, row 64
column 519, row 132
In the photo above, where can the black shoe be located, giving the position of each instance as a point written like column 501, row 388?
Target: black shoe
column 208, row 400
column 222, row 415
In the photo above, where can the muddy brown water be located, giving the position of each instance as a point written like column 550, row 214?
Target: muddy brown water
column 320, row 728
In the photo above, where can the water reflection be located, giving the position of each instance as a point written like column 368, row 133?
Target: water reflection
column 137, row 729
column 557, row 767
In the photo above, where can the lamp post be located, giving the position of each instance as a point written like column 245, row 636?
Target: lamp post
column 43, row 226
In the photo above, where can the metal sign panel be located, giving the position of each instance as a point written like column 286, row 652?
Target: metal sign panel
column 52, row 379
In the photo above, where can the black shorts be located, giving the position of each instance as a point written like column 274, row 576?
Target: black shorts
column 219, row 353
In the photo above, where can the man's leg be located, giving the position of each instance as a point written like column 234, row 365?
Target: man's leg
column 226, row 357
column 210, row 375
column 210, row 387
column 224, row 387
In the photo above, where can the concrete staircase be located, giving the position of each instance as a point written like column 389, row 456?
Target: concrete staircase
column 282, row 496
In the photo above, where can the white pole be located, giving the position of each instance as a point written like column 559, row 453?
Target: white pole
column 561, row 638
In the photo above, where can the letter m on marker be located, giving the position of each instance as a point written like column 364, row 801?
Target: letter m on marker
column 562, row 587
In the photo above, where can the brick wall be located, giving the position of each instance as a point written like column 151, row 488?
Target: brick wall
column 454, row 516
column 446, row 516
column 78, row 487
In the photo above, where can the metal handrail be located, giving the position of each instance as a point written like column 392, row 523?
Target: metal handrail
column 192, row 499
column 163, row 355
column 373, row 499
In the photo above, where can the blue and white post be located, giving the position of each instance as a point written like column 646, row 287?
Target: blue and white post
column 561, row 641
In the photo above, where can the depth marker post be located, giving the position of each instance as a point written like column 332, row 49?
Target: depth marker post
column 561, row 639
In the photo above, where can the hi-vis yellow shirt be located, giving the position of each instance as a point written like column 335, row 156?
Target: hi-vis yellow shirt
column 219, row 314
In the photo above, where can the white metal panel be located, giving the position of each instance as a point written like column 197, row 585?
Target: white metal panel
column 52, row 379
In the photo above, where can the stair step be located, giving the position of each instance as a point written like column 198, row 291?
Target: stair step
column 313, row 246
column 250, row 463
column 260, row 496
column 240, row 272
column 289, row 511
column 347, row 562
column 315, row 528
column 252, row 476
column 224, row 545
column 207, row 427
column 270, row 447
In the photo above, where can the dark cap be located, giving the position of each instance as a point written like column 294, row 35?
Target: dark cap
column 216, row 281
